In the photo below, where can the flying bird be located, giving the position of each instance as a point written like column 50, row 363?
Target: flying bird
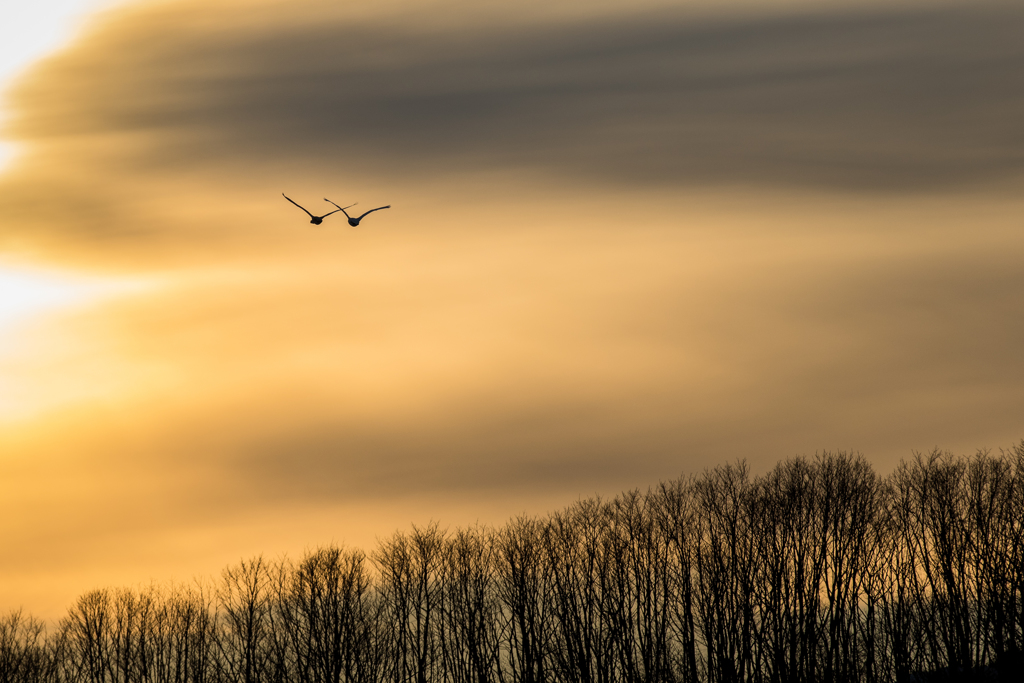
column 355, row 221
column 317, row 220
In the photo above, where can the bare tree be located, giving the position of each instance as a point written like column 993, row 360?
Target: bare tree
column 575, row 545
column 674, row 511
column 87, row 632
column 322, row 604
column 523, row 585
column 245, row 634
column 724, row 559
column 469, row 633
column 23, row 652
column 640, row 590
column 408, row 570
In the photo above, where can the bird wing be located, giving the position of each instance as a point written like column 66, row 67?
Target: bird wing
column 372, row 210
column 298, row 205
column 340, row 208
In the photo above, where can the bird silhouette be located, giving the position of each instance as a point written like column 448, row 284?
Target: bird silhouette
column 355, row 221
column 317, row 220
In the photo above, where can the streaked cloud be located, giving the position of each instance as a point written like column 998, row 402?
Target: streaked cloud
column 882, row 99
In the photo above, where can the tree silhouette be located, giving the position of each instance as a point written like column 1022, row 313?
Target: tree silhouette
column 818, row 570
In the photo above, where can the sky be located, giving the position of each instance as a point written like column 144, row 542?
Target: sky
column 627, row 241
column 28, row 31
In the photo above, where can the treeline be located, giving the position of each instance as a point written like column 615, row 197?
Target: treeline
column 820, row 570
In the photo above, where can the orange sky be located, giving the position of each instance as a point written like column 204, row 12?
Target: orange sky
column 626, row 242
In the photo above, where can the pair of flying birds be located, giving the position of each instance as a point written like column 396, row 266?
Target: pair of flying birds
column 352, row 220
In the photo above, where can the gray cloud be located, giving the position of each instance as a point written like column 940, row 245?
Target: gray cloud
column 878, row 100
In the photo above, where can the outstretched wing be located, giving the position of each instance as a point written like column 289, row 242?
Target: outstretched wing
column 372, row 210
column 290, row 199
column 340, row 208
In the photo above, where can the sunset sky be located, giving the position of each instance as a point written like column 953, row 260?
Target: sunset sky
column 628, row 240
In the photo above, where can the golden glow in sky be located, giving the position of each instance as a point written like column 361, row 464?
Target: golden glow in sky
column 36, row 334
column 25, row 293
column 625, row 241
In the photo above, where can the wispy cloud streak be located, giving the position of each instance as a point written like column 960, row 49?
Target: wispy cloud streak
column 884, row 100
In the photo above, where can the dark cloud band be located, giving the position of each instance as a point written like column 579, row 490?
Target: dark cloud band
column 895, row 100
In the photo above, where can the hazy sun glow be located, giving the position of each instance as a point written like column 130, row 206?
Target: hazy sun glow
column 27, row 293
column 47, row 352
